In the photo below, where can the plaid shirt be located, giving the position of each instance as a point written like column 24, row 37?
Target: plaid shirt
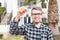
column 31, row 32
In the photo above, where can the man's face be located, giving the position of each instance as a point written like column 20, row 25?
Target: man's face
column 36, row 16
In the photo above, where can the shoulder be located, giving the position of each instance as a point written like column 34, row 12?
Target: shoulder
column 46, row 27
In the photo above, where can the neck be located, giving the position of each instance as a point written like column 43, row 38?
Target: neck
column 37, row 25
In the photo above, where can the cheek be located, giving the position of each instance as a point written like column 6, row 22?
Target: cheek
column 33, row 17
column 39, row 17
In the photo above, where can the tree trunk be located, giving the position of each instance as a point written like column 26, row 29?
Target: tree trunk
column 53, row 15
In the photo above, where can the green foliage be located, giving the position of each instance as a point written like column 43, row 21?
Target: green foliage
column 19, row 37
column 43, row 5
column 27, row 2
column 45, row 23
column 2, row 9
column 13, row 37
column 42, row 1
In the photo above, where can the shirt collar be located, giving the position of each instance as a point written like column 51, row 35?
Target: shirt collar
column 41, row 25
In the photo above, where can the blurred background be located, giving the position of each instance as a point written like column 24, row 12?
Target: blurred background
column 9, row 8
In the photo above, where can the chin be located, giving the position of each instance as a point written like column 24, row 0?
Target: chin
column 36, row 22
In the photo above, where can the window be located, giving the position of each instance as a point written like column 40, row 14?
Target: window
column 27, row 20
column 44, row 5
column 44, row 20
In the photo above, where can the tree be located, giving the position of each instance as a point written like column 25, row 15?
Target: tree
column 53, row 15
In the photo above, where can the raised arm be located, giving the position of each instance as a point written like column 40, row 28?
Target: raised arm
column 14, row 29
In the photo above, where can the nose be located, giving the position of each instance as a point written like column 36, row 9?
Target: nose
column 36, row 15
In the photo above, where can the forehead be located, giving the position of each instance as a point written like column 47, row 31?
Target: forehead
column 36, row 11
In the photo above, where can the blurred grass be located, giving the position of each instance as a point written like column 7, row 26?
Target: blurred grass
column 19, row 37
column 14, row 37
column 57, row 39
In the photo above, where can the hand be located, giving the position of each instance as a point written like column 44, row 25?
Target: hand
column 20, row 12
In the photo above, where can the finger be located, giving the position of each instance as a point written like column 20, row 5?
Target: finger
column 23, row 11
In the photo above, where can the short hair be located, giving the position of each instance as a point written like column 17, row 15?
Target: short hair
column 36, row 8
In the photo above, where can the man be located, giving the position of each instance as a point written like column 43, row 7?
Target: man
column 32, row 31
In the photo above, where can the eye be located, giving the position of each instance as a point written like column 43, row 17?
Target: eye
column 36, row 13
